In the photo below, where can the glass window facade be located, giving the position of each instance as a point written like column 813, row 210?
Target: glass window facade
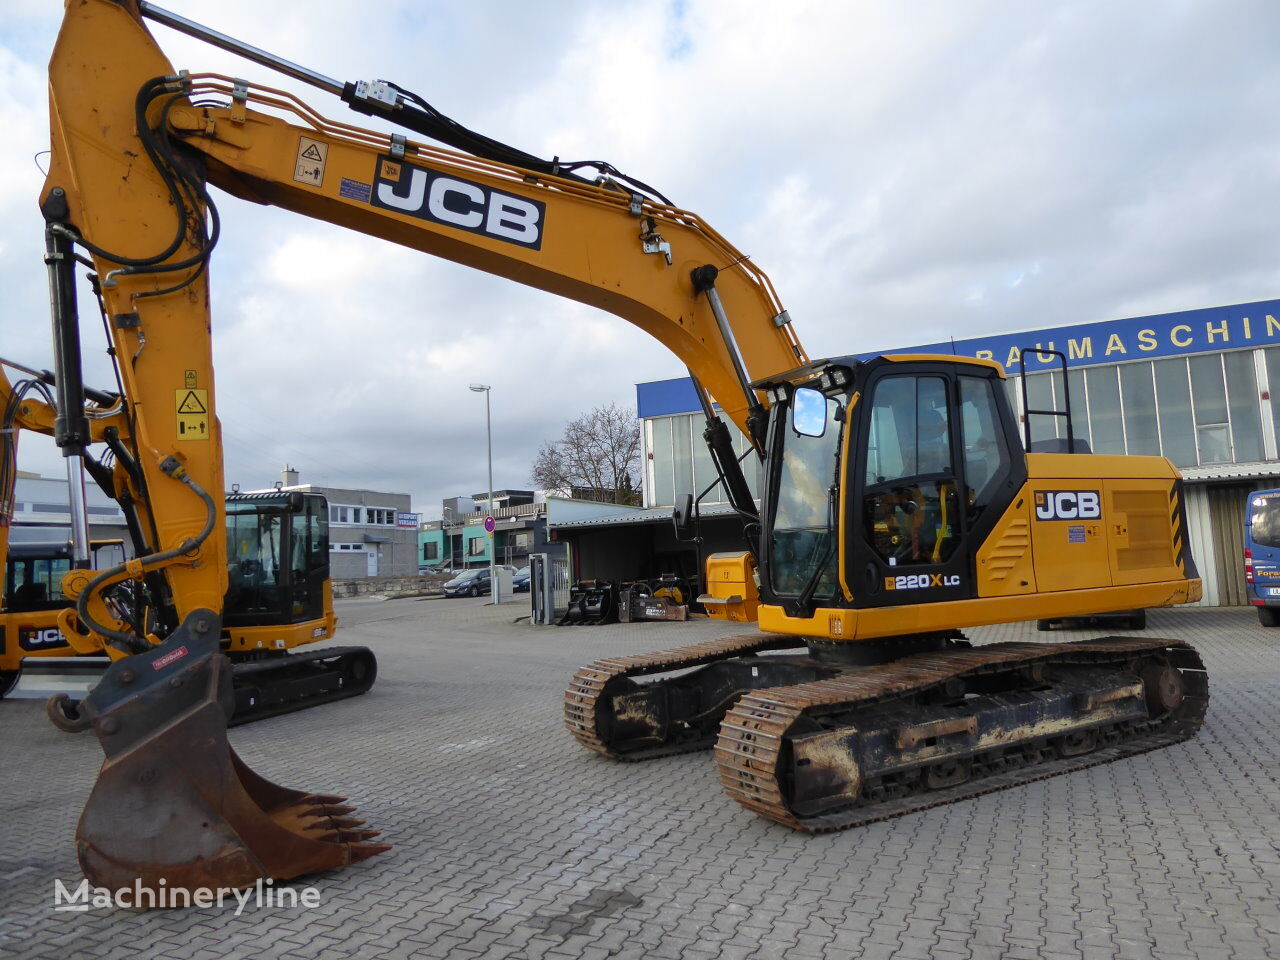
column 1173, row 393
column 1207, row 409
column 679, row 461
column 1242, row 406
column 1141, row 429
column 1197, row 411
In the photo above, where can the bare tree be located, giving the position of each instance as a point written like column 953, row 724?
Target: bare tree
column 597, row 458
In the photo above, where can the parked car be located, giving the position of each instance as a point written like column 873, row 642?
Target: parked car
column 469, row 583
column 520, row 581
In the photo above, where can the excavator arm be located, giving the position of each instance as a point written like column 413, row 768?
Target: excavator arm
column 134, row 148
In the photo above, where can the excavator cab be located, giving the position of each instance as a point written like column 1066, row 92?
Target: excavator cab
column 35, row 658
column 33, row 576
column 34, row 572
column 277, row 558
column 933, row 459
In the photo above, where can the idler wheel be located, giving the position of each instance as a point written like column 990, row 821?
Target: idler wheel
column 1164, row 688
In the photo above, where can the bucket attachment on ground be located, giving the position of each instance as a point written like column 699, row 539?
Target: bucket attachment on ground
column 591, row 602
column 660, row 599
column 173, row 802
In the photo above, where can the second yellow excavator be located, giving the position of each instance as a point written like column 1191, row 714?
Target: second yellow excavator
column 279, row 596
column 900, row 504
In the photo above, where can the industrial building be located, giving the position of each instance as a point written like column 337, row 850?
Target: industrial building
column 42, row 512
column 458, row 540
column 1196, row 386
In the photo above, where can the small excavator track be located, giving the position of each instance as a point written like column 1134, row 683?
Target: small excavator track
column 589, row 696
column 287, row 682
column 754, row 752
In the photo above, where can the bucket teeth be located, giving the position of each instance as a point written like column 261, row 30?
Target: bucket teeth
column 346, row 823
column 327, row 810
column 348, row 836
column 363, row 851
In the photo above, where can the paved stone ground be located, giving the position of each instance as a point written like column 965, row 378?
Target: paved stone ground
column 513, row 842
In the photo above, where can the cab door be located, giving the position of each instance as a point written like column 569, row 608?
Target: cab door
column 933, row 470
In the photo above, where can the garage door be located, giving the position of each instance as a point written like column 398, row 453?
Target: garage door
column 1226, row 515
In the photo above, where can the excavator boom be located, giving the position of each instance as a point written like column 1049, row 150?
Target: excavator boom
column 134, row 148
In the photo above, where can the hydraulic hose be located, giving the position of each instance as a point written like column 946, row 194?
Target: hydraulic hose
column 118, row 639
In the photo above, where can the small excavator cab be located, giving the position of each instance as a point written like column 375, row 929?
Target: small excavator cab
column 35, row 658
column 277, row 558
column 33, row 578
column 34, row 571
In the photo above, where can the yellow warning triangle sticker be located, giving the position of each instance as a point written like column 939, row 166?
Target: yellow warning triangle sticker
column 311, row 153
column 191, row 404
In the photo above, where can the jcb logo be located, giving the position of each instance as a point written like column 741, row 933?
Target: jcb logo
column 1068, row 505
column 39, row 638
column 921, row 581
column 431, row 195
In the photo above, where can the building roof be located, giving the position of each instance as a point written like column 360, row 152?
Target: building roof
column 635, row 517
column 1230, row 471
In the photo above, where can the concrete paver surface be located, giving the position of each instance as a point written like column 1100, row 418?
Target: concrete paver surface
column 511, row 841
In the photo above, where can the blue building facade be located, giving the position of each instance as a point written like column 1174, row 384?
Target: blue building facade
column 1196, row 386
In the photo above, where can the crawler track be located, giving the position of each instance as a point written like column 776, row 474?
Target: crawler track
column 588, row 696
column 298, row 680
column 752, row 752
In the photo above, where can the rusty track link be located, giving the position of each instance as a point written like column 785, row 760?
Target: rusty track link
column 587, row 696
column 749, row 750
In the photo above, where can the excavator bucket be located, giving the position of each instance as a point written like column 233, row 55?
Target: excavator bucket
column 174, row 806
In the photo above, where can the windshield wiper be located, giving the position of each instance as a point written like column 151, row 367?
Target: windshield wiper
column 803, row 603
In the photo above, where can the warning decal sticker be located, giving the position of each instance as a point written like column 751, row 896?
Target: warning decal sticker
column 312, row 155
column 191, row 403
column 193, row 414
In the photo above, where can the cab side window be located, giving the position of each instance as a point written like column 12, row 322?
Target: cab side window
column 986, row 448
column 910, row 433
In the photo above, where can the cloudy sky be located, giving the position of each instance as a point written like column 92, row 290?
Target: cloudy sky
column 905, row 172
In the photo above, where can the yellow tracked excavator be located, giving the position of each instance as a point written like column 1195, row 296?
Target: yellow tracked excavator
column 279, row 598
column 900, row 504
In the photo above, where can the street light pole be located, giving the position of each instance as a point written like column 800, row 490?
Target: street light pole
column 493, row 537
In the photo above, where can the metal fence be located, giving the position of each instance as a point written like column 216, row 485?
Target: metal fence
column 548, row 587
